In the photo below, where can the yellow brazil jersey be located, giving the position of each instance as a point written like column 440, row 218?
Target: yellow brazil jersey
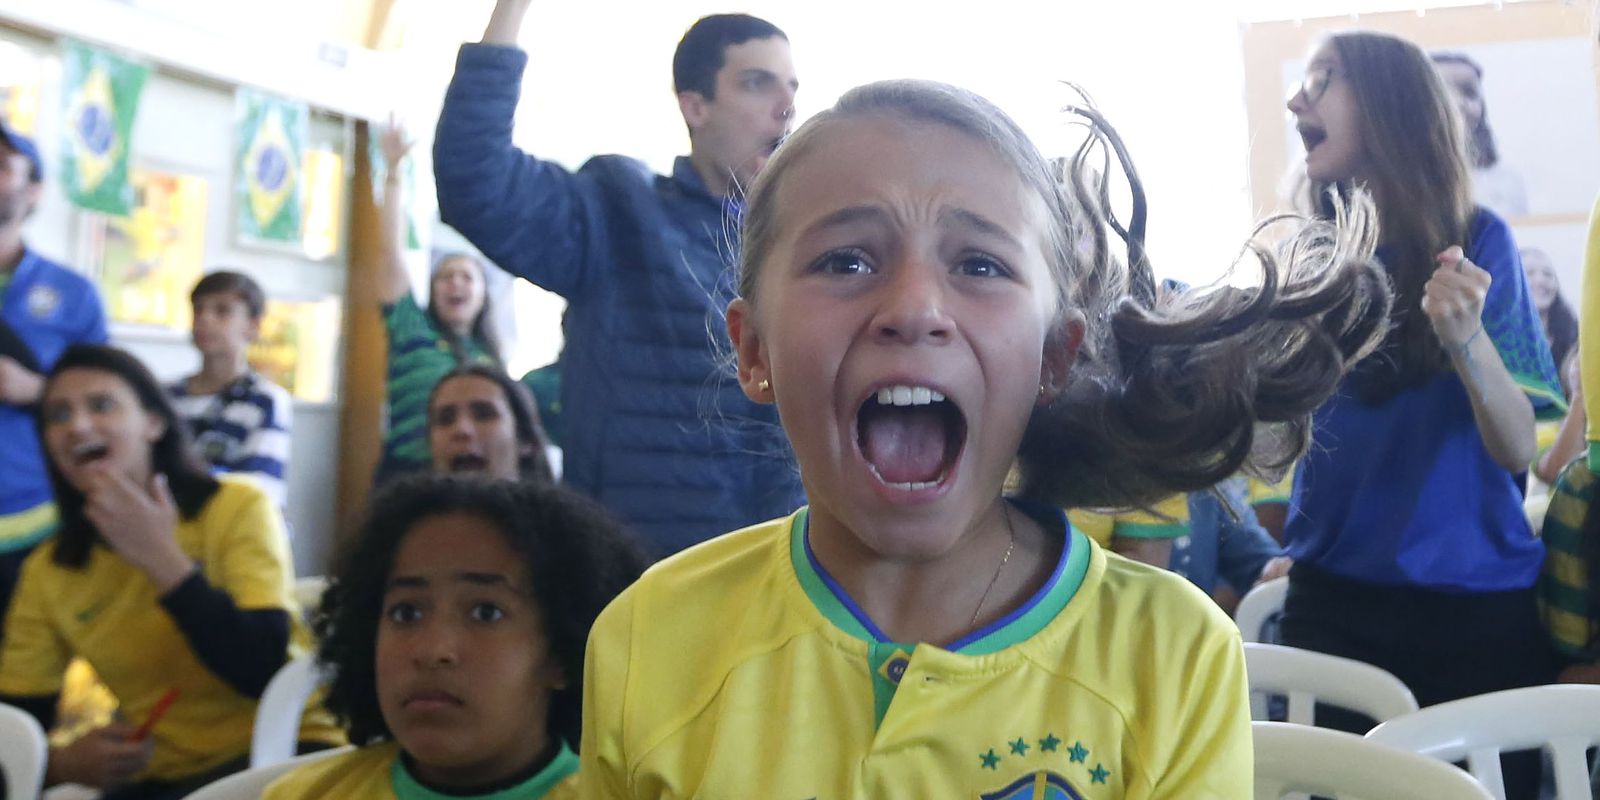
column 108, row 614
column 738, row 669
column 1168, row 519
column 377, row 773
column 1262, row 493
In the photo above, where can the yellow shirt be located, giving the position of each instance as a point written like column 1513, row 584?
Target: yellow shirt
column 1168, row 519
column 1589, row 336
column 736, row 670
column 109, row 614
column 1262, row 493
column 376, row 772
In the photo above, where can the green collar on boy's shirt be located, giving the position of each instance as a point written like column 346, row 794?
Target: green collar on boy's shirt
column 407, row 787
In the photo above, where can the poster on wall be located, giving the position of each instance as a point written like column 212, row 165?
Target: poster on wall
column 99, row 99
column 270, row 137
column 20, row 81
column 323, row 220
column 298, row 346
column 149, row 260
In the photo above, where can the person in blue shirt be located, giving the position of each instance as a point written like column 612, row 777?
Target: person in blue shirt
column 655, row 427
column 1410, row 545
column 1226, row 551
column 44, row 307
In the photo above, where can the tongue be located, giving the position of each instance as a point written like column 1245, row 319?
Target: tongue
column 905, row 444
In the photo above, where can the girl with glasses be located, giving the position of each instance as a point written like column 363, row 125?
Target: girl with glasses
column 1411, row 549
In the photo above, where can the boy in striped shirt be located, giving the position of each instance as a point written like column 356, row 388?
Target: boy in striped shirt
column 238, row 419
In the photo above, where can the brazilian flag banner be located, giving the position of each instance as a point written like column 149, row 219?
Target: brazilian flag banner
column 100, row 99
column 271, row 135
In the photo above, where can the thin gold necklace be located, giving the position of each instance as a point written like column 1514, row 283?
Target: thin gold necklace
column 1011, row 544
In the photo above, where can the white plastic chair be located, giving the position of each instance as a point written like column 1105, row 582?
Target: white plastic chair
column 1562, row 720
column 277, row 726
column 1328, row 763
column 23, row 751
column 1308, row 678
column 308, row 593
column 1258, row 606
column 249, row 785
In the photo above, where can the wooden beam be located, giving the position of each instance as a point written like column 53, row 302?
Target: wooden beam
column 366, row 349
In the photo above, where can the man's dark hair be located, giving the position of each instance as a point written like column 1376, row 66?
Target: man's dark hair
column 575, row 555
column 225, row 281
column 700, row 52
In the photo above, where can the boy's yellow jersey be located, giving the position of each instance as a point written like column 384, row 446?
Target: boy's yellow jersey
column 738, row 669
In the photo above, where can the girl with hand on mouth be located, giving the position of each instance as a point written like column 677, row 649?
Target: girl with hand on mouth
column 162, row 578
column 455, row 630
column 456, row 328
column 1411, row 548
column 927, row 306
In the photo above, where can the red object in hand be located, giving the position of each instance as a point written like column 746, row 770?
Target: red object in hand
column 156, row 713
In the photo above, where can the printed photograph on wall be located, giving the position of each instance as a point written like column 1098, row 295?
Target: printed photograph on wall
column 21, row 81
column 299, row 345
column 148, row 261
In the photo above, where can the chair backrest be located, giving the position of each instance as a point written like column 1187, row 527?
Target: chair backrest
column 249, row 785
column 1563, row 720
column 277, row 727
column 23, row 750
column 308, row 593
column 1309, row 678
column 1328, row 763
column 1258, row 606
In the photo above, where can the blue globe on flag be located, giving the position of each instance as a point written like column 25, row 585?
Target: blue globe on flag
column 270, row 169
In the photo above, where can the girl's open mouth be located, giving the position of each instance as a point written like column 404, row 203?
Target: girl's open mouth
column 910, row 436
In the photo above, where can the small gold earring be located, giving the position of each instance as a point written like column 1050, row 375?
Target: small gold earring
column 764, row 386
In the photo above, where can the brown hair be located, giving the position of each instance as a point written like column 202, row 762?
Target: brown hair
column 239, row 284
column 1159, row 400
column 1412, row 136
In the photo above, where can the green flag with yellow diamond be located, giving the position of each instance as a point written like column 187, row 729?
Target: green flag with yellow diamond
column 100, row 99
column 271, row 143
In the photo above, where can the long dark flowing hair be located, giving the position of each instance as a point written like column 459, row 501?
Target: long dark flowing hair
column 1411, row 133
column 171, row 455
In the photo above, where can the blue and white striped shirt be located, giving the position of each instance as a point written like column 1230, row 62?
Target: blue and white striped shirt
column 242, row 429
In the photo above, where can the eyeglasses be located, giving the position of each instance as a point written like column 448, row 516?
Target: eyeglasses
column 1315, row 83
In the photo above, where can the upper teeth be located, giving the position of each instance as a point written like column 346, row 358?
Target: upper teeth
column 908, row 396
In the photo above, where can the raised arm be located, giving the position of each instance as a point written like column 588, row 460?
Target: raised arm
column 506, row 22
column 528, row 216
column 394, row 283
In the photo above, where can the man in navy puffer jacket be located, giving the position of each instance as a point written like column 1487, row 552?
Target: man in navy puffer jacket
column 656, row 429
